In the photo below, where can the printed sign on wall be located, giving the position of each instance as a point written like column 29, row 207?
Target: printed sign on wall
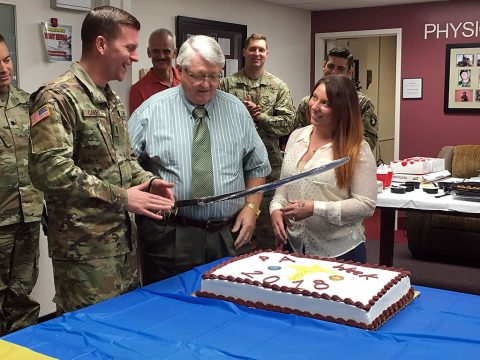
column 58, row 41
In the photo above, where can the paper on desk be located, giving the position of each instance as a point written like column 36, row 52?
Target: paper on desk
column 10, row 351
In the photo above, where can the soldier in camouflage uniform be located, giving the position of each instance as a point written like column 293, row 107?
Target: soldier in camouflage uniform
column 270, row 104
column 80, row 156
column 20, row 207
column 340, row 62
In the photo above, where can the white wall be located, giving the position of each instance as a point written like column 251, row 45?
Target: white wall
column 33, row 67
column 287, row 30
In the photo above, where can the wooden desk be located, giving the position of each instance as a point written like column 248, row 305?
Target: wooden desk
column 417, row 200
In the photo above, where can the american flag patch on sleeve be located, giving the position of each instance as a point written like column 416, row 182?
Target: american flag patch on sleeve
column 40, row 114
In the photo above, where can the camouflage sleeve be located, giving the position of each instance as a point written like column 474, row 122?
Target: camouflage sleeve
column 301, row 114
column 282, row 120
column 52, row 167
column 370, row 122
column 223, row 85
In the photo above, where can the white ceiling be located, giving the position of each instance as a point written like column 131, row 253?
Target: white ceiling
column 316, row 5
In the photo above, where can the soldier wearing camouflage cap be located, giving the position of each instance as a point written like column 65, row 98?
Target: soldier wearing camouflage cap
column 81, row 158
column 339, row 61
column 270, row 104
column 20, row 207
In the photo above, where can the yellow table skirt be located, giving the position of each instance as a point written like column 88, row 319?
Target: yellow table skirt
column 9, row 351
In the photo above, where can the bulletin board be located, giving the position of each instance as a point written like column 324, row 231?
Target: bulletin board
column 231, row 38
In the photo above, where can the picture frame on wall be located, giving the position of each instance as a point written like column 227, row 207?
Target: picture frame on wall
column 231, row 38
column 462, row 78
column 412, row 88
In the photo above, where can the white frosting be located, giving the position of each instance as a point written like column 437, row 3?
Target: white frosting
column 358, row 283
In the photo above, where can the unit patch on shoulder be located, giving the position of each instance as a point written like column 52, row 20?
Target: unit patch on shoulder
column 40, row 114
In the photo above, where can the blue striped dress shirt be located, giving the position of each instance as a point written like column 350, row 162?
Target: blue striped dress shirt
column 161, row 133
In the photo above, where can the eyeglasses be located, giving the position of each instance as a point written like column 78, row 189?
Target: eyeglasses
column 200, row 78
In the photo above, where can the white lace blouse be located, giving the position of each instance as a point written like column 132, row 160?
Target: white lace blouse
column 336, row 225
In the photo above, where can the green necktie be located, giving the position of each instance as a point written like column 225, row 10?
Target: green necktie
column 202, row 169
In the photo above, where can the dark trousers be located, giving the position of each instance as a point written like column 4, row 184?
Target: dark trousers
column 169, row 249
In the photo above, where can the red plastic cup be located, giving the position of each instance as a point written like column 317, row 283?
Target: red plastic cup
column 389, row 178
column 385, row 178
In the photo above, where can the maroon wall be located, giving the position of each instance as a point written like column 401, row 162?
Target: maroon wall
column 424, row 127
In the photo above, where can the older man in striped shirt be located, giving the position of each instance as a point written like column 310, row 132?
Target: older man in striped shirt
column 162, row 130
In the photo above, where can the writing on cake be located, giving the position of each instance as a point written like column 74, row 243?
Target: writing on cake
column 360, row 295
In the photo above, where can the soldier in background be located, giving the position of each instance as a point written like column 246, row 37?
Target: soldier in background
column 162, row 75
column 20, row 207
column 339, row 61
column 270, row 104
column 80, row 156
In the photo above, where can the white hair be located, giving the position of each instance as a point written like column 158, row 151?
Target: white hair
column 203, row 45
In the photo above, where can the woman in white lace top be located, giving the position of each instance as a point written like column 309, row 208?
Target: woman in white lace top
column 322, row 215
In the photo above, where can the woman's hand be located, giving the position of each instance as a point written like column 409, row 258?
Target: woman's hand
column 298, row 210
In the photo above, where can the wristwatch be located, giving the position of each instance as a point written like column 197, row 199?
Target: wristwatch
column 256, row 210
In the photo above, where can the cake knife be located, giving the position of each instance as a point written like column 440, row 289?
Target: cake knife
column 202, row 201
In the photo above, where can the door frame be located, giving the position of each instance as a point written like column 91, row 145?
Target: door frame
column 319, row 56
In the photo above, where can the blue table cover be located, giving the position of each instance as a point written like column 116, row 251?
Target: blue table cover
column 164, row 321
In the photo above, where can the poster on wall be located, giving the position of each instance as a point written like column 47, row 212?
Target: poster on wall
column 462, row 78
column 58, row 41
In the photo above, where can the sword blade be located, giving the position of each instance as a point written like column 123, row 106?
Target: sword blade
column 262, row 188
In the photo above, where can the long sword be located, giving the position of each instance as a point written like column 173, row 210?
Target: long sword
column 202, row 201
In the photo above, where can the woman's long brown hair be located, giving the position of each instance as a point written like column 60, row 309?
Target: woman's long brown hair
column 348, row 133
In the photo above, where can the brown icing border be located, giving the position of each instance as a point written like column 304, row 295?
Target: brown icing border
column 376, row 323
column 401, row 274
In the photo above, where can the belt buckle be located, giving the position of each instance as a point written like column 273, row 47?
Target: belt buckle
column 171, row 214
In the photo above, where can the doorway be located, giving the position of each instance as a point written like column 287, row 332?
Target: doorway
column 378, row 54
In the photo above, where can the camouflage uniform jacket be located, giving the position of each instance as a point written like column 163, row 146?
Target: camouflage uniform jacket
column 19, row 200
column 274, row 98
column 80, row 157
column 370, row 123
